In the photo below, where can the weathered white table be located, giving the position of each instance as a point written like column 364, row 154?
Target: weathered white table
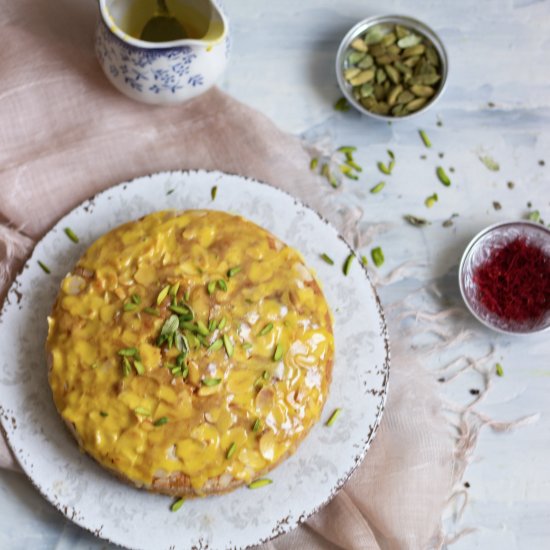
column 497, row 103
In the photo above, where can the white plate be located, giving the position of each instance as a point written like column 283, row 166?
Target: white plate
column 94, row 499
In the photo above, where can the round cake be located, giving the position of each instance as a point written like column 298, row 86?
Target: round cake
column 190, row 352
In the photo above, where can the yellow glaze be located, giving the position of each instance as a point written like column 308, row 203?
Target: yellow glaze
column 113, row 413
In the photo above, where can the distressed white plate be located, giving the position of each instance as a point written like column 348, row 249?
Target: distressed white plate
column 97, row 501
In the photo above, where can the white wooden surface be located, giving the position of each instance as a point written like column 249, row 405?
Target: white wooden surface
column 283, row 65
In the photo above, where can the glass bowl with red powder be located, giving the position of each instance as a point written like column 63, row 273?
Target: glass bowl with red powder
column 504, row 277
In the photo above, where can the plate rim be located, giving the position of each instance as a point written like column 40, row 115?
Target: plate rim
column 282, row 527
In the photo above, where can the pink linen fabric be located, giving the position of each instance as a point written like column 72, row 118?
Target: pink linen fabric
column 67, row 134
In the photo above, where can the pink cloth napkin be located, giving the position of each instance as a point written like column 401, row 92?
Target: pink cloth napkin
column 67, row 134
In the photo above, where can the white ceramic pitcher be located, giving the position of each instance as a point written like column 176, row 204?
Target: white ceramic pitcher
column 161, row 73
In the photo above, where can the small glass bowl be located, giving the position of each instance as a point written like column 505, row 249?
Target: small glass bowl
column 479, row 251
column 408, row 22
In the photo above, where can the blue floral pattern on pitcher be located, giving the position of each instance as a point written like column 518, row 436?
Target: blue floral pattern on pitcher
column 159, row 75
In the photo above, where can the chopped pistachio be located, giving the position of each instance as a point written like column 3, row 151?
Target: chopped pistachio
column 534, row 216
column 267, row 328
column 215, row 345
column 180, row 310
column 346, row 149
column 214, row 192
column 333, row 417
column 256, row 426
column 151, row 311
column 228, row 345
column 161, row 421
column 391, row 154
column 352, row 164
column 442, row 175
column 260, row 483
column 211, row 381
column 136, row 299
column 364, row 260
column 347, row 264
column 211, row 287
column 499, row 369
column 327, row 259
column 222, row 285
column 313, row 164
column 44, row 267
column 174, row 289
column 377, row 256
column 431, row 200
column 222, row 324
column 383, row 168
column 170, row 191
column 278, row 354
column 231, row 450
column 212, row 325
column 128, row 352
column 103, row 414
column 126, row 367
column 71, row 234
column 378, row 187
column 247, row 346
column 177, row 505
column 142, row 411
column 425, row 138
column 129, row 306
column 162, row 294
column 342, row 105
column 233, row 271
column 416, row 221
column 138, row 365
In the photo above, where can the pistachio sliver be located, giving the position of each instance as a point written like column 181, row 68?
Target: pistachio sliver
column 163, row 294
column 161, row 421
column 128, row 352
column 142, row 411
column 228, row 345
column 425, row 138
column 333, row 417
column 256, row 426
column 211, row 287
column 215, row 345
column 71, row 234
column 499, row 369
column 383, row 168
column 177, row 505
column 431, row 200
column 278, row 354
column 210, row 382
column 138, row 365
column 266, row 329
column 258, row 483
column 416, row 221
column 231, row 450
column 222, row 285
column 233, row 271
column 327, row 259
column 346, row 149
column 214, row 192
column 347, row 264
column 136, row 298
column 377, row 256
column 342, row 105
column 313, row 164
column 44, row 267
column 378, row 187
column 129, row 306
column 126, row 366
column 151, row 311
column 442, row 175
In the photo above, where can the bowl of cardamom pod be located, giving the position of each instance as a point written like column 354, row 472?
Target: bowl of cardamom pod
column 391, row 67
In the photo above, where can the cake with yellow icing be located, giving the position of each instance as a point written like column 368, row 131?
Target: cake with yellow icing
column 190, row 352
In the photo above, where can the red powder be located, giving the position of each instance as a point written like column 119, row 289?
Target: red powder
column 515, row 282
